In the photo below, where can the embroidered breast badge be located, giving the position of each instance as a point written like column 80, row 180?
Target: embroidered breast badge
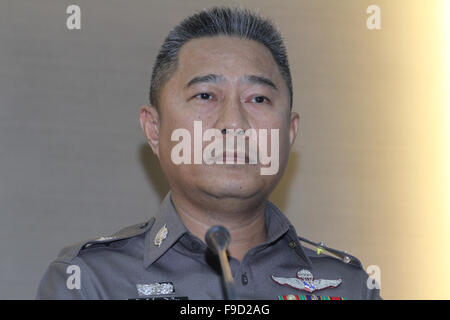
column 306, row 282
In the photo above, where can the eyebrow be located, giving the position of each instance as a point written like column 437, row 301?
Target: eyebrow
column 260, row 80
column 205, row 79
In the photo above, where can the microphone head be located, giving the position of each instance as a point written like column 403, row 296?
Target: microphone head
column 217, row 238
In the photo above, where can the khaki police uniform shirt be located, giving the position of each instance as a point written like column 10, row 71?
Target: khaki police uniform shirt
column 162, row 259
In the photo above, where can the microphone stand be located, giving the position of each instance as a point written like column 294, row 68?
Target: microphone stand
column 217, row 239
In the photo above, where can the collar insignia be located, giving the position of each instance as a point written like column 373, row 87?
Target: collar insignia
column 160, row 236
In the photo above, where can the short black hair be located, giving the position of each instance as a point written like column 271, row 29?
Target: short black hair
column 218, row 21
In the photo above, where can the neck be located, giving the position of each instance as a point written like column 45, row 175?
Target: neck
column 246, row 226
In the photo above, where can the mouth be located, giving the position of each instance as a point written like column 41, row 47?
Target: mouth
column 234, row 157
column 231, row 157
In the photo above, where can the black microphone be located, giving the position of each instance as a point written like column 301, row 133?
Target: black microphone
column 217, row 238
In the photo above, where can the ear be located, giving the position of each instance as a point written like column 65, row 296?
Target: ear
column 149, row 120
column 293, row 127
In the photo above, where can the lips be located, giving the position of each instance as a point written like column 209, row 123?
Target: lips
column 231, row 157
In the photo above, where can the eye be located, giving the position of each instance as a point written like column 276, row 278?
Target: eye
column 260, row 99
column 203, row 96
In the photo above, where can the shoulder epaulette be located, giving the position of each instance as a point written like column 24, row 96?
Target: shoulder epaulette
column 70, row 252
column 320, row 247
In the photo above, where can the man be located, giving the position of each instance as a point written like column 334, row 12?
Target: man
column 225, row 70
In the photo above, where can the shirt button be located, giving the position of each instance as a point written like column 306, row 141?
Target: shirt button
column 244, row 279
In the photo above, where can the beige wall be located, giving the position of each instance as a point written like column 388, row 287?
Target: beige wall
column 368, row 174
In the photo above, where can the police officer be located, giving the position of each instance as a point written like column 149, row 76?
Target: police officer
column 226, row 68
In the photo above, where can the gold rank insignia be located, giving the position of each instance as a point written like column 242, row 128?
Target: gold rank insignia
column 160, row 236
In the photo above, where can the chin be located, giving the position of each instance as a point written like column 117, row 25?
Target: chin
column 229, row 193
column 232, row 185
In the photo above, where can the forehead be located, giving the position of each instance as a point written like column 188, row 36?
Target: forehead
column 225, row 55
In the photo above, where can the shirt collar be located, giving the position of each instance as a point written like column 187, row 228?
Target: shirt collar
column 167, row 217
column 278, row 226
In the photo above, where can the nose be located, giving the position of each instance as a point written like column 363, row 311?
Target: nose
column 232, row 116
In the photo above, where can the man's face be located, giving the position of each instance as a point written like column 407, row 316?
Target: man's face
column 243, row 89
